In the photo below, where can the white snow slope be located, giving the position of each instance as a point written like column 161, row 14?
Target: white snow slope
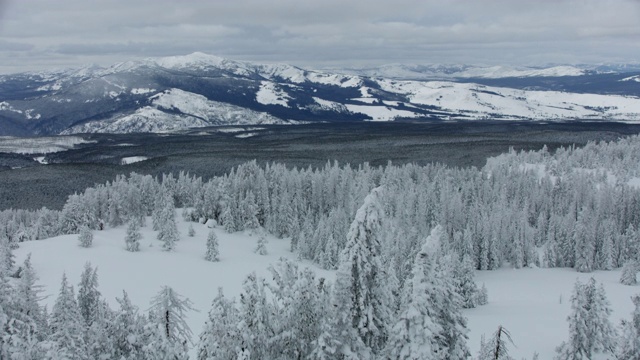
column 531, row 303
column 40, row 145
column 194, row 111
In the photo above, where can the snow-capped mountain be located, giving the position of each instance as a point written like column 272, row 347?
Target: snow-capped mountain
column 197, row 90
column 443, row 72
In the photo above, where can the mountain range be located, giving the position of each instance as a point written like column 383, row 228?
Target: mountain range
column 198, row 90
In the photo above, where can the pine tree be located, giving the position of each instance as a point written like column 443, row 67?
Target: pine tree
column 301, row 305
column 20, row 336
column 466, row 286
column 629, row 275
column 629, row 342
column 590, row 331
column 170, row 335
column 85, row 238
column 360, row 296
column 168, row 234
column 127, row 331
column 191, row 232
column 256, row 323
column 213, row 251
column 415, row 334
column 133, row 237
column 30, row 294
column 261, row 247
column 483, row 296
column 88, row 295
column 67, row 329
column 6, row 255
column 220, row 338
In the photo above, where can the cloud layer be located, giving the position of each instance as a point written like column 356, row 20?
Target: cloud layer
column 37, row 34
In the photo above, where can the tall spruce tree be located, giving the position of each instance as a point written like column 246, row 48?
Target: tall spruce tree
column 360, row 294
column 220, row 337
column 213, row 248
column 590, row 331
column 133, row 237
column 67, row 325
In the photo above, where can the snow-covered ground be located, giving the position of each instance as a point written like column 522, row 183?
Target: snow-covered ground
column 194, row 111
column 132, row 159
column 40, row 145
column 532, row 304
column 271, row 94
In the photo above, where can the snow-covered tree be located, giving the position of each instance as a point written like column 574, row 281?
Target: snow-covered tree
column 88, row 295
column 466, row 286
column 127, row 331
column 261, row 246
column 170, row 335
column 302, row 303
column 629, row 341
column 590, row 331
column 629, row 274
column 168, row 234
column 213, row 248
column 133, row 237
column 67, row 328
column 6, row 255
column 191, row 232
column 496, row 348
column 85, row 239
column 360, row 295
column 415, row 334
column 220, row 337
column 256, row 318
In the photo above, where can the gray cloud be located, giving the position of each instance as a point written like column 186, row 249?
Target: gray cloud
column 51, row 33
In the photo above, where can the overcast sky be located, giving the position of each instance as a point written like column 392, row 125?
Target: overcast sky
column 40, row 34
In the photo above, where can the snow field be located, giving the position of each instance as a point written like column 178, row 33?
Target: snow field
column 533, row 305
column 142, row 274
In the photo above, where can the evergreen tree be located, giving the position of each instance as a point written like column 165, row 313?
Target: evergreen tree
column 256, row 319
column 220, row 338
column 168, row 234
column 629, row 342
column 213, row 251
column 261, row 247
column 20, row 337
column 133, row 237
column 67, row 329
column 590, row 331
column 86, row 237
column 88, row 295
column 415, row 334
column 6, row 255
column 629, row 274
column 301, row 305
column 466, row 286
column 170, row 335
column 127, row 331
column 30, row 294
column 360, row 295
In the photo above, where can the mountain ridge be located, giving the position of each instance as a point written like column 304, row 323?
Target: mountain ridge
column 180, row 92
